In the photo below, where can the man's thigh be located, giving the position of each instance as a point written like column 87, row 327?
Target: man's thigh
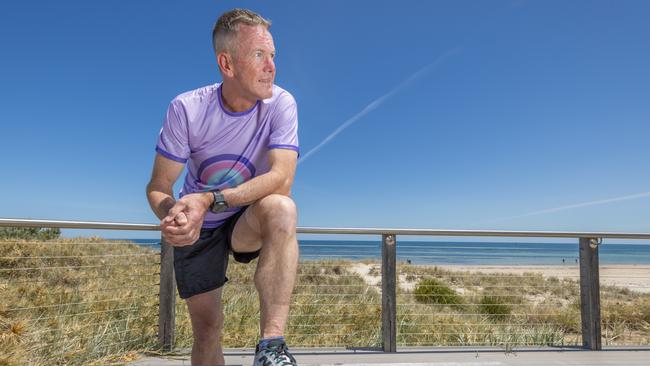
column 247, row 234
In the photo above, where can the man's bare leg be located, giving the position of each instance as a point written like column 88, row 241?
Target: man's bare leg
column 206, row 313
column 270, row 224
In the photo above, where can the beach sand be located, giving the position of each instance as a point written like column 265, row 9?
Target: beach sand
column 635, row 277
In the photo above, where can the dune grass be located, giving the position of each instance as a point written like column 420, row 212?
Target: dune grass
column 88, row 301
column 74, row 301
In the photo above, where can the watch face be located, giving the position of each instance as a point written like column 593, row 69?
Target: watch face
column 219, row 203
column 218, row 207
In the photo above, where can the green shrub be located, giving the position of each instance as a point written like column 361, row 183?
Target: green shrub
column 29, row 233
column 431, row 291
column 493, row 307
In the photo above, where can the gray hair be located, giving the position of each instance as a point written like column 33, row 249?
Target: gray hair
column 227, row 27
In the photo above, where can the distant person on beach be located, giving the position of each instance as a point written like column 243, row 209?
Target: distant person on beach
column 239, row 142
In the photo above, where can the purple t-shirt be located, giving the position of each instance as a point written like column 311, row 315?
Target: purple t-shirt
column 224, row 149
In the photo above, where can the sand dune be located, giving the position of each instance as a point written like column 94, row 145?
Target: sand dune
column 635, row 277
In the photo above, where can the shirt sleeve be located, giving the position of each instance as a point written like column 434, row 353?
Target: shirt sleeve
column 173, row 142
column 284, row 125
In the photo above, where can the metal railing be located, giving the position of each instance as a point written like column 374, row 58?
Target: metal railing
column 589, row 280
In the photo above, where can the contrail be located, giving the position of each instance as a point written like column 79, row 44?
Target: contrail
column 378, row 102
column 577, row 205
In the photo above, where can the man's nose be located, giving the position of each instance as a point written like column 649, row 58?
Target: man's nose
column 269, row 65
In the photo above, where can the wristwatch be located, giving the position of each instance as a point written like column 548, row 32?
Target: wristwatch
column 219, row 204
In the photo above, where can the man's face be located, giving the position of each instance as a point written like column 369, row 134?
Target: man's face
column 254, row 68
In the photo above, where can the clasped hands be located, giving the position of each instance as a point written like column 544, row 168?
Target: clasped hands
column 182, row 225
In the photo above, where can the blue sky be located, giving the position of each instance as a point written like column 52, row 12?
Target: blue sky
column 517, row 115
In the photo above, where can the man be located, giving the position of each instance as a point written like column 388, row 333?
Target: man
column 239, row 140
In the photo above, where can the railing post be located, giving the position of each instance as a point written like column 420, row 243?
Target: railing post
column 590, row 293
column 389, row 293
column 167, row 300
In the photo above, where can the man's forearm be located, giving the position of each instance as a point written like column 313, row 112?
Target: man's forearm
column 256, row 188
column 160, row 201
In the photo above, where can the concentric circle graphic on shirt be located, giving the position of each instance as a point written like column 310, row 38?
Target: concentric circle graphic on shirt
column 224, row 171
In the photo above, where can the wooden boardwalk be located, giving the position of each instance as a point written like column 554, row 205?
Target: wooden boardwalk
column 437, row 357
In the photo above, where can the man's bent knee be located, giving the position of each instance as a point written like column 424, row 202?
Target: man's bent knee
column 276, row 206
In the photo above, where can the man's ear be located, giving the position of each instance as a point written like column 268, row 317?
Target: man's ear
column 224, row 60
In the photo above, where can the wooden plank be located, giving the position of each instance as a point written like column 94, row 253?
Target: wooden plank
column 167, row 307
column 590, row 294
column 389, row 293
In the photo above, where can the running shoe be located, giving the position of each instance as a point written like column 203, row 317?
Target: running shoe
column 275, row 353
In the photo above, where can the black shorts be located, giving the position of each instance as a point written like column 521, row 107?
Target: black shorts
column 201, row 267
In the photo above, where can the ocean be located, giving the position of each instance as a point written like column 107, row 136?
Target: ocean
column 468, row 253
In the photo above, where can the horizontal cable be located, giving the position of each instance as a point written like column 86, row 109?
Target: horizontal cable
column 103, row 242
column 478, row 304
column 364, row 255
column 80, row 314
column 73, row 303
column 318, row 325
column 325, row 285
column 464, row 256
column 465, row 295
column 325, row 275
column 70, row 267
column 467, row 334
column 492, row 275
column 402, row 246
column 324, row 315
column 89, row 325
column 339, row 259
column 319, row 265
column 378, row 245
column 424, row 253
column 326, row 334
column 87, row 256
column 419, row 286
column 476, row 314
column 502, row 286
column 149, row 287
column 85, row 279
column 485, row 343
column 332, row 295
column 474, row 275
column 603, row 287
column 492, row 325
column 359, row 304
column 236, row 285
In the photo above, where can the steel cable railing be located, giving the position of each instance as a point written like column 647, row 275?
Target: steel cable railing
column 98, row 298
column 451, row 302
column 64, row 300
column 331, row 305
